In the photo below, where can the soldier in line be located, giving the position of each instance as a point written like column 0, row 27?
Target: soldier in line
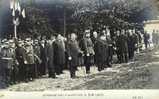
column 14, row 70
column 21, row 59
column 30, row 65
column 7, row 62
column 73, row 52
column 87, row 48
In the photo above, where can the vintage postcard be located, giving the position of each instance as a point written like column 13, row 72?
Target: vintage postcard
column 103, row 49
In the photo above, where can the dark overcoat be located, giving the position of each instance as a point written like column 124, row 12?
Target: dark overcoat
column 121, row 44
column 101, row 51
column 50, row 55
column 59, row 53
column 73, row 51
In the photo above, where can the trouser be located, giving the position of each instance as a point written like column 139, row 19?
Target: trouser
column 14, row 74
column 51, row 72
column 58, row 69
column 42, row 68
column 87, row 68
column 110, row 54
column 123, row 57
column 36, row 70
column 22, row 72
column 88, row 62
column 146, row 45
column 30, row 72
column 131, row 53
column 72, row 71
column 7, row 75
column 100, row 66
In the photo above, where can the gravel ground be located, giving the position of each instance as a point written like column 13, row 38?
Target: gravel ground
column 139, row 74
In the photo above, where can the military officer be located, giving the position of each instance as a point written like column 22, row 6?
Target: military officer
column 21, row 59
column 87, row 48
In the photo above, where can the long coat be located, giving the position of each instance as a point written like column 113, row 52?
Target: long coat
column 121, row 44
column 101, row 51
column 59, row 53
column 87, row 47
column 132, row 40
column 20, row 55
column 73, row 51
column 50, row 55
column 30, row 54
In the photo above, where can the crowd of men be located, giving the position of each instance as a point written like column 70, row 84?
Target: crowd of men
column 25, row 60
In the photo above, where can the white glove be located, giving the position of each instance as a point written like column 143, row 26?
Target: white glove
column 25, row 62
column 88, row 54
column 69, row 58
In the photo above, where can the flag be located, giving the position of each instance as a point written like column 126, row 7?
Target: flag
column 18, row 7
column 11, row 4
column 23, row 13
column 13, row 13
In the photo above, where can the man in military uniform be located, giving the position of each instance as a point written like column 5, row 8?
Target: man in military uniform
column 30, row 65
column 7, row 62
column 87, row 48
column 21, row 59
column 14, row 72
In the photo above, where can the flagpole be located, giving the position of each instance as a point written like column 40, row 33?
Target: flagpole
column 15, row 27
column 15, row 31
column 15, row 6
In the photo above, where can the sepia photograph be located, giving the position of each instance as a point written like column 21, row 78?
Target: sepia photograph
column 67, row 45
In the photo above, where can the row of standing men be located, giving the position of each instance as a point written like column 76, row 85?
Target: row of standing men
column 25, row 60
